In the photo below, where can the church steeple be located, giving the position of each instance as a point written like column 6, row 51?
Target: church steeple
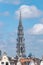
column 20, row 40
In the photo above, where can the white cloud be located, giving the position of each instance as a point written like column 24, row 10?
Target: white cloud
column 6, row 13
column 16, row 2
column 37, row 29
column 11, row 1
column 1, row 24
column 29, row 11
column 40, row 40
column 41, row 20
column 11, row 36
column 12, row 40
column 1, row 0
column 3, row 44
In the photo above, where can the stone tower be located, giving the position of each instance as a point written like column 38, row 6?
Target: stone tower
column 20, row 40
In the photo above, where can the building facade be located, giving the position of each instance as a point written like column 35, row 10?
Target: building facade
column 5, row 60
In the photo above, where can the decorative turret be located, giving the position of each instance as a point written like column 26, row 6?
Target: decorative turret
column 20, row 40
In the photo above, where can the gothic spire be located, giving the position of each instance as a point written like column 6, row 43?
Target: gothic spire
column 20, row 40
column 20, row 20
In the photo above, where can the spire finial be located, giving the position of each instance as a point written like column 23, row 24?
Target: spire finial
column 20, row 20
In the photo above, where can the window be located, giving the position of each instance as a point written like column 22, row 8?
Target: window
column 6, row 63
column 21, row 49
column 2, row 63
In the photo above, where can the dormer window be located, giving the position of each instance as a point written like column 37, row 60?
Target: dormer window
column 2, row 63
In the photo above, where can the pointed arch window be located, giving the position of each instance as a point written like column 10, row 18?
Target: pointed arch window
column 7, row 63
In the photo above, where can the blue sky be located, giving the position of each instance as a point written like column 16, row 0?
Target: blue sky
column 32, row 19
